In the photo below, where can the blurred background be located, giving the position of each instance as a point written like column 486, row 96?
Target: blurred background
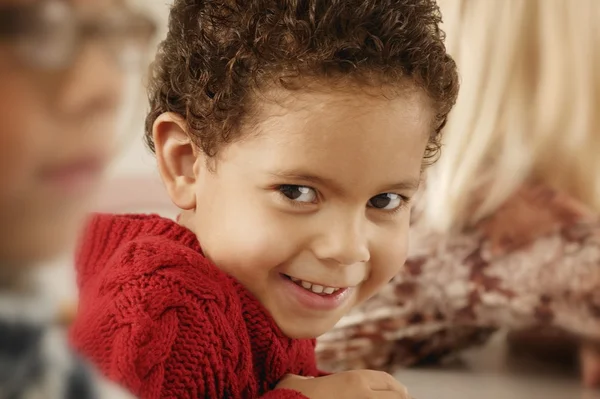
column 132, row 184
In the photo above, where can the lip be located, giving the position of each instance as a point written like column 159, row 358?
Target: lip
column 76, row 176
column 312, row 301
column 321, row 283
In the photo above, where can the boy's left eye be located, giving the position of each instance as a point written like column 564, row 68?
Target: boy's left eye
column 387, row 201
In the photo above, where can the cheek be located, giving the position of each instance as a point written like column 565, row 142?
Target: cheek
column 21, row 128
column 391, row 255
column 243, row 236
column 15, row 161
column 387, row 259
column 20, row 152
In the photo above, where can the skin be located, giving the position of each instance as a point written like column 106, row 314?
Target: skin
column 56, row 137
column 356, row 384
column 590, row 364
column 335, row 151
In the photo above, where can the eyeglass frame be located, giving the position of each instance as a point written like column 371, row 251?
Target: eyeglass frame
column 55, row 23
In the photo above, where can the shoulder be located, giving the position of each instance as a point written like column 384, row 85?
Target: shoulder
column 153, row 264
column 157, row 334
column 146, row 253
column 155, row 308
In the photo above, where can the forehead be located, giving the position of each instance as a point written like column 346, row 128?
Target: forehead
column 358, row 116
column 356, row 135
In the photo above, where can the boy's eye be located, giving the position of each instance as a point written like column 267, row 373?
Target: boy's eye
column 298, row 193
column 387, row 201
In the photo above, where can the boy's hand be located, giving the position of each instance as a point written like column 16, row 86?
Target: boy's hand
column 360, row 384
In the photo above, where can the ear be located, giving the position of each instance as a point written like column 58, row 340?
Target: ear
column 176, row 156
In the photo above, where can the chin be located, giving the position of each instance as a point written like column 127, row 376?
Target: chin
column 47, row 247
column 46, row 253
column 31, row 256
column 305, row 329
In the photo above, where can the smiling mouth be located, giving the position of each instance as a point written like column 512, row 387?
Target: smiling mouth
column 314, row 288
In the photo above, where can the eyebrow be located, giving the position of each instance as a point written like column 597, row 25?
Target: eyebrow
column 411, row 184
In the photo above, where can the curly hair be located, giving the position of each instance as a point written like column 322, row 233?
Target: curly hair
column 217, row 53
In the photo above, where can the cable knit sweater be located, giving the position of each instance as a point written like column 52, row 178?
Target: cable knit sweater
column 156, row 316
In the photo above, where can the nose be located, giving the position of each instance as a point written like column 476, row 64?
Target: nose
column 92, row 86
column 343, row 241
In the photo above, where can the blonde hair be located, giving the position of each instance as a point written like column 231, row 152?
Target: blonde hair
column 529, row 106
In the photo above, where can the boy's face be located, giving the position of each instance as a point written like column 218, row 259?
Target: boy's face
column 56, row 133
column 315, row 200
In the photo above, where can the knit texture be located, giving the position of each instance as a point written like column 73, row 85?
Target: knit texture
column 157, row 317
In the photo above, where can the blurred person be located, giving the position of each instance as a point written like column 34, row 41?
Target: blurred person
column 507, row 232
column 62, row 68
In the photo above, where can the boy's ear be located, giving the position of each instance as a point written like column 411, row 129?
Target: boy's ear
column 176, row 156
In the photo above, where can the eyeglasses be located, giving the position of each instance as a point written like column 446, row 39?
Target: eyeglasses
column 49, row 34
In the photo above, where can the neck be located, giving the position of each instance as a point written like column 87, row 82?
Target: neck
column 185, row 219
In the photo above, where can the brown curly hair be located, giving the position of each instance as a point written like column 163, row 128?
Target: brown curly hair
column 217, row 53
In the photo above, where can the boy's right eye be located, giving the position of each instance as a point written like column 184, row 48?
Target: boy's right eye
column 298, row 193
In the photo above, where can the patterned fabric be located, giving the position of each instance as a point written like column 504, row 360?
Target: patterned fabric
column 534, row 263
column 156, row 316
column 35, row 361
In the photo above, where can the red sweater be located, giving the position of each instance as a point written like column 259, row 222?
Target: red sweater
column 156, row 316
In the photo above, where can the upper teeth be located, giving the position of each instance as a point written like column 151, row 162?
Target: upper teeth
column 317, row 289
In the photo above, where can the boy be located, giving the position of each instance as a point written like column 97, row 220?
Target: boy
column 292, row 136
column 60, row 92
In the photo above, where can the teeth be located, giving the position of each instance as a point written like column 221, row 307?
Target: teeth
column 317, row 289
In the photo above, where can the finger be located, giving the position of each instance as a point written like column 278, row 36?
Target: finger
column 295, row 377
column 379, row 381
column 590, row 365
